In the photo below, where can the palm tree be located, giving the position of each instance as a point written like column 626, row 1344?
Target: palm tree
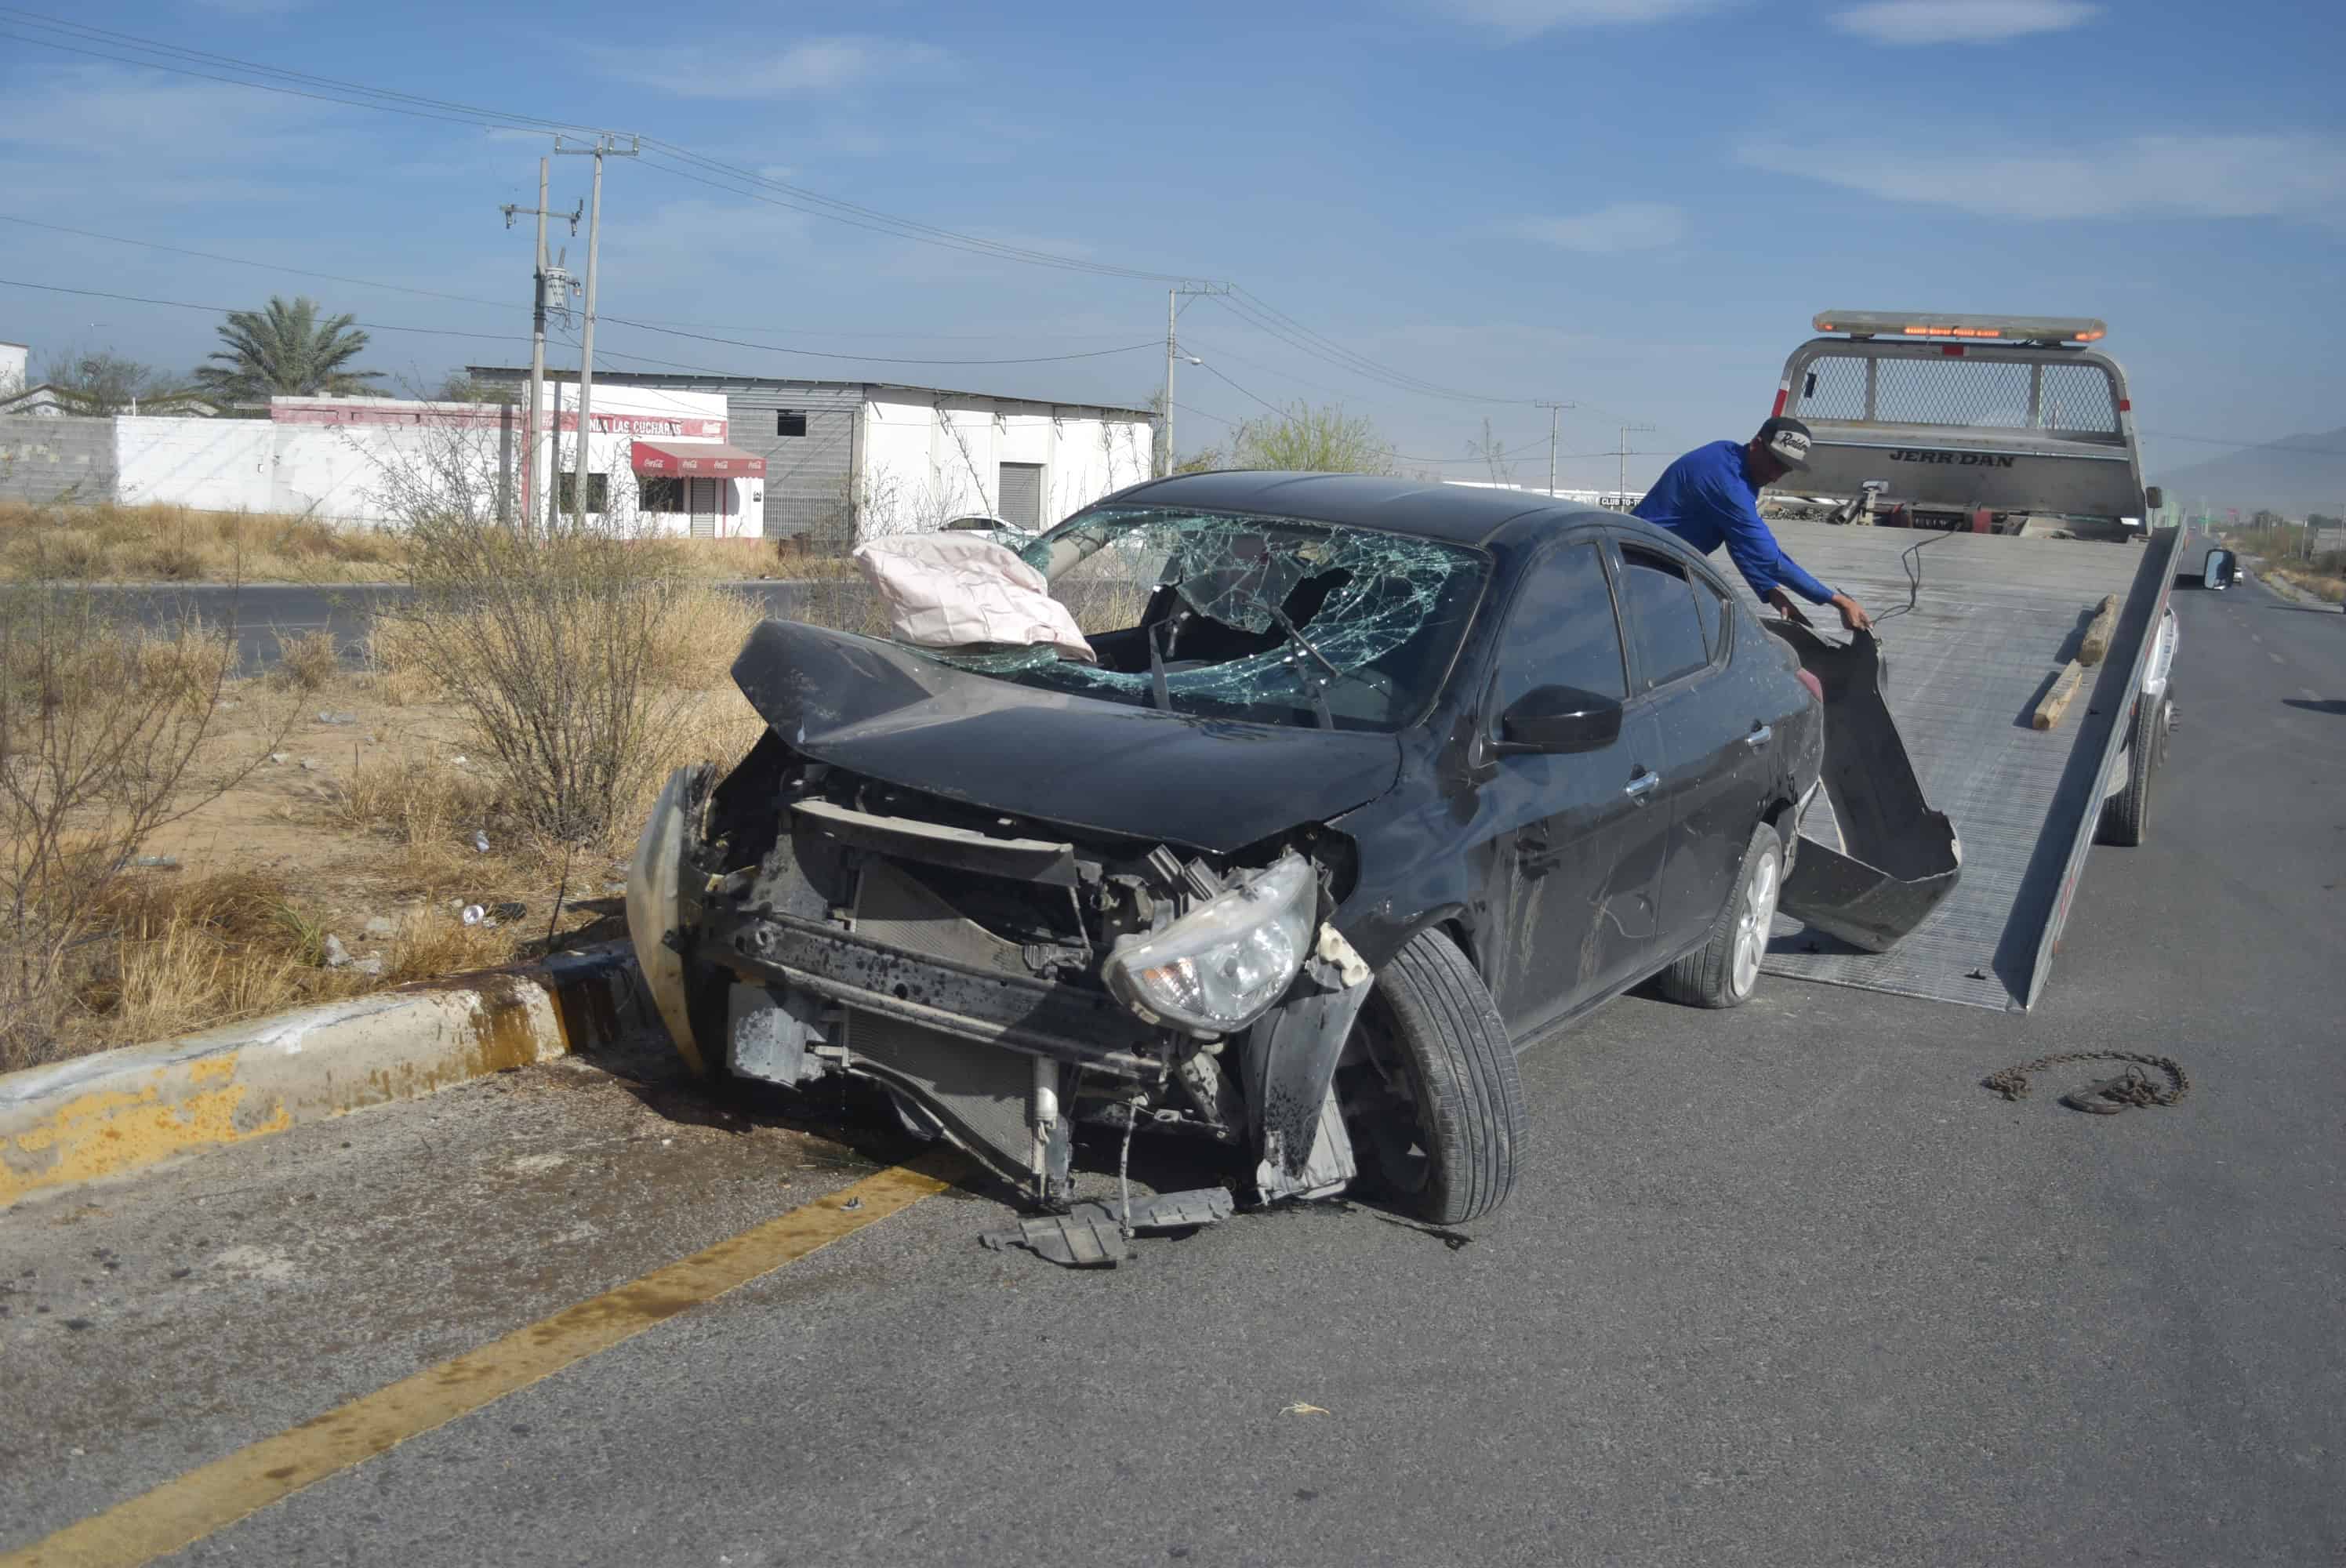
column 286, row 350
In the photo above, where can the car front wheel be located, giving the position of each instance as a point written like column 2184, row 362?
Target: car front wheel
column 1429, row 1087
column 1725, row 971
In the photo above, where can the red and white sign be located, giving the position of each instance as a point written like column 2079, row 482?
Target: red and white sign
column 490, row 416
column 695, row 459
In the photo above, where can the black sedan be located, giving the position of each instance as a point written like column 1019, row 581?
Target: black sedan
column 1368, row 783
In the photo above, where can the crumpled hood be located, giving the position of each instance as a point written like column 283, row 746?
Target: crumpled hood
column 1208, row 784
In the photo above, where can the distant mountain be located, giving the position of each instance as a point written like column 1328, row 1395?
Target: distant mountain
column 2292, row 476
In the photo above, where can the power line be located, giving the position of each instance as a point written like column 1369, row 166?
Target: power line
column 618, row 320
column 870, row 358
column 101, row 42
column 1226, row 381
column 506, row 304
column 228, row 310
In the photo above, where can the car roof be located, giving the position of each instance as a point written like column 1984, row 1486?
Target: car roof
column 1426, row 509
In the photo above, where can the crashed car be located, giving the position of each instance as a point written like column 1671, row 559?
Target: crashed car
column 1374, row 782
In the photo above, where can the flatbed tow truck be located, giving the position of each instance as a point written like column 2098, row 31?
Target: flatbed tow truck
column 1976, row 482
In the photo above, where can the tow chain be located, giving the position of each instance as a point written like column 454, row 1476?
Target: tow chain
column 2131, row 1087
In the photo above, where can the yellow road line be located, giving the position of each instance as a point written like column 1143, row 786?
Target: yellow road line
column 179, row 1512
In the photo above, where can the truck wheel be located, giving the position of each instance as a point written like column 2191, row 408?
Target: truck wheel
column 2125, row 816
column 1725, row 971
column 1429, row 1087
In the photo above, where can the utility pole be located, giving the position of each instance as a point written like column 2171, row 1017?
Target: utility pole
column 1621, row 477
column 1172, row 351
column 605, row 147
column 1552, row 408
column 537, row 348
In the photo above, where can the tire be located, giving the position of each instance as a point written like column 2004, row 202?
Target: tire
column 2125, row 816
column 1429, row 1087
column 1725, row 969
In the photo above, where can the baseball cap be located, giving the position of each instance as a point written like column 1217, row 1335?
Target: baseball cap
column 1788, row 439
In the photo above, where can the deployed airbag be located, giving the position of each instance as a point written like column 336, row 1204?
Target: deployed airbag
column 961, row 591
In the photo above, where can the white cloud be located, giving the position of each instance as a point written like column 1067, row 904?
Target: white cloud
column 809, row 65
column 79, row 135
column 2145, row 177
column 1526, row 19
column 1961, row 21
column 1609, row 230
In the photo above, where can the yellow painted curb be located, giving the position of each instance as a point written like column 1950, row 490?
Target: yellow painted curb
column 122, row 1111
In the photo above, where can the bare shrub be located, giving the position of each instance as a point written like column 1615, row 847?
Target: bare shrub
column 573, row 650
column 101, row 724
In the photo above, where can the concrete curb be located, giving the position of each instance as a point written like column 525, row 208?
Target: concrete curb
column 124, row 1110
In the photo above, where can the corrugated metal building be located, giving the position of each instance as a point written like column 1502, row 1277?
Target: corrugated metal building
column 891, row 455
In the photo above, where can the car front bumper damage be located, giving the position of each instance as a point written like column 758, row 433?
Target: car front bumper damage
column 851, row 959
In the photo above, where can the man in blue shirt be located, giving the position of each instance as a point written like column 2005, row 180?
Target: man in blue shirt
column 1710, row 497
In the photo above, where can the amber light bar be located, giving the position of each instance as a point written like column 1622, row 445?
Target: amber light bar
column 1916, row 324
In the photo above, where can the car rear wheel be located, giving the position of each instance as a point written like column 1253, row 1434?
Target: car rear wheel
column 1725, row 971
column 1429, row 1087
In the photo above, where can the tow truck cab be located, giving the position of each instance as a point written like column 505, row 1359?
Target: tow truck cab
column 1986, row 424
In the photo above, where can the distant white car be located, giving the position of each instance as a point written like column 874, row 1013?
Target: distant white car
column 1008, row 535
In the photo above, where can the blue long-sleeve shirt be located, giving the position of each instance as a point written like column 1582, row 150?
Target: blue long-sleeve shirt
column 1707, row 500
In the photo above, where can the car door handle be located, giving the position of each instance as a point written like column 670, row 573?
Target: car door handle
column 1643, row 785
column 1760, row 735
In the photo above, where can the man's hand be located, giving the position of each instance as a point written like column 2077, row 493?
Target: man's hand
column 1787, row 608
column 1852, row 614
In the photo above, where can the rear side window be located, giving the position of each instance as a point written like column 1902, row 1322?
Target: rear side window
column 1712, row 614
column 1561, row 630
column 1664, row 624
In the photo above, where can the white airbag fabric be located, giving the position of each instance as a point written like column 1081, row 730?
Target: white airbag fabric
column 958, row 591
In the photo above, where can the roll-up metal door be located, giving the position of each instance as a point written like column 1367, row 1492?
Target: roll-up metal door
column 1021, row 495
column 704, row 506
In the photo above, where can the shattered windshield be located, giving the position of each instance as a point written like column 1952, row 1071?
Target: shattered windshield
column 1273, row 620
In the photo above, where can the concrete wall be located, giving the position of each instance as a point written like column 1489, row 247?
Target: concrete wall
column 218, row 464
column 44, row 457
column 923, row 463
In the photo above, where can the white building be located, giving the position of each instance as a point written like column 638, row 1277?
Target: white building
column 885, row 456
column 14, row 374
column 666, row 450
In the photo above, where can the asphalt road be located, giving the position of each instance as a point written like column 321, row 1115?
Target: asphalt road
column 264, row 613
column 1779, row 1287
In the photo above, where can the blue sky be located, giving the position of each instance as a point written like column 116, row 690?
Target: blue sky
column 1632, row 204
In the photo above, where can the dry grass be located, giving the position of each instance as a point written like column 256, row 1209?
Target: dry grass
column 2282, row 551
column 175, row 954
column 179, row 544
column 306, row 661
column 59, row 541
column 2328, row 584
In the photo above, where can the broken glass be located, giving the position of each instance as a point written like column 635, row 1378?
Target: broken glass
column 1276, row 620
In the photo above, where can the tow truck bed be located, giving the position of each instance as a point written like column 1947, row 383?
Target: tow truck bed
column 1994, row 619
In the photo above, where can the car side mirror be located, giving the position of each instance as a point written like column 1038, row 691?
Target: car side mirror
column 1559, row 719
column 2220, row 569
column 2154, row 498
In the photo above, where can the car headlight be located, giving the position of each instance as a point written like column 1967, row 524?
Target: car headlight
column 1222, row 966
